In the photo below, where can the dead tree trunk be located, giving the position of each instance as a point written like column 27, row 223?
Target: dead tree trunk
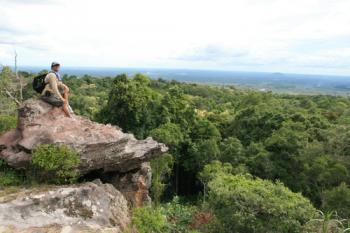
column 19, row 80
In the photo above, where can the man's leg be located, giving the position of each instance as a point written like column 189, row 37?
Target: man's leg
column 66, row 92
column 65, row 97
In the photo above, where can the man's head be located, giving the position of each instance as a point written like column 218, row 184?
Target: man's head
column 55, row 66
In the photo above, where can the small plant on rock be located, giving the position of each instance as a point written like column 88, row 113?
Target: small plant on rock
column 7, row 122
column 9, row 176
column 55, row 164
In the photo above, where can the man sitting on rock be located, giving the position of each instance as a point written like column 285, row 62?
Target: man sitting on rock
column 55, row 92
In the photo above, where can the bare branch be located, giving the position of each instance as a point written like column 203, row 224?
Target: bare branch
column 12, row 97
column 8, row 92
column 18, row 78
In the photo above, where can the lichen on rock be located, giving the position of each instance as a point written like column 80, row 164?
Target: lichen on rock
column 90, row 205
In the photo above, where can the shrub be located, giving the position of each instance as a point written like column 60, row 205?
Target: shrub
column 327, row 223
column 210, row 171
column 179, row 216
column 172, row 217
column 7, row 122
column 55, row 164
column 242, row 204
column 149, row 220
column 337, row 199
column 9, row 176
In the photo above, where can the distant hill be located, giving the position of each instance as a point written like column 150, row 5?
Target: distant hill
column 277, row 82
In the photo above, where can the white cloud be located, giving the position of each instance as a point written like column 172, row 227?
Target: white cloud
column 212, row 53
column 272, row 35
column 28, row 1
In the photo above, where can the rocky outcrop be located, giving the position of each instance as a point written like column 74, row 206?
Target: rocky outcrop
column 134, row 185
column 87, row 207
column 104, row 149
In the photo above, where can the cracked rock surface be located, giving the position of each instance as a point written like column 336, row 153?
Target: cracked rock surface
column 86, row 207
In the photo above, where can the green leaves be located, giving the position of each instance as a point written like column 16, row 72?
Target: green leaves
column 131, row 105
column 8, row 92
column 55, row 164
column 161, row 167
column 7, row 122
column 327, row 222
column 9, row 176
column 201, row 153
column 232, row 151
column 5, row 74
column 338, row 199
column 172, row 217
column 149, row 220
column 168, row 133
column 179, row 215
column 243, row 205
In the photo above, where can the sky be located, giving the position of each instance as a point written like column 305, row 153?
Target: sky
column 299, row 36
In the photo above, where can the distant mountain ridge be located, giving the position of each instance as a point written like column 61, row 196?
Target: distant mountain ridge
column 275, row 81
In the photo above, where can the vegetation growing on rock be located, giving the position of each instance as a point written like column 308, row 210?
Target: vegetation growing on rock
column 55, row 164
column 9, row 176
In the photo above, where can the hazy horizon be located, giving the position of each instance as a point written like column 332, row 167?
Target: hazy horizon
column 264, row 81
column 64, row 69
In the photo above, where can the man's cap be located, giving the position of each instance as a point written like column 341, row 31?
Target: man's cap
column 55, row 63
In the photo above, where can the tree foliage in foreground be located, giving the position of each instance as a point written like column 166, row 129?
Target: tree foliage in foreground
column 243, row 204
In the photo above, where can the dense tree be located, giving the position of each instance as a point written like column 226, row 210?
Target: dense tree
column 253, row 124
column 161, row 167
column 232, row 151
column 243, row 204
column 168, row 133
column 130, row 105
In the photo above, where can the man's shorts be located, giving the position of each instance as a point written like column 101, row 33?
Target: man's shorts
column 52, row 99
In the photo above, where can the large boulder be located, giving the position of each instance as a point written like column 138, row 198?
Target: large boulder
column 103, row 149
column 87, row 207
